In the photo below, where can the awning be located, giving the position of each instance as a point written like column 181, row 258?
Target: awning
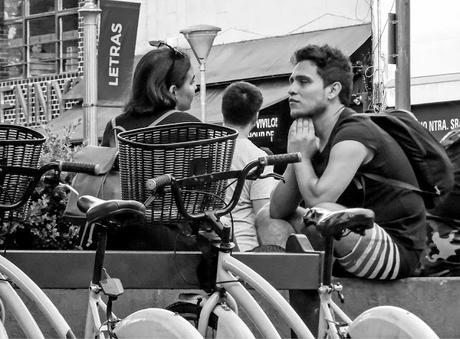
column 273, row 91
column 74, row 117
column 268, row 57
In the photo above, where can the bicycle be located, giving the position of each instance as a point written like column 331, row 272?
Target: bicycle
column 377, row 322
column 11, row 276
column 217, row 314
column 101, row 215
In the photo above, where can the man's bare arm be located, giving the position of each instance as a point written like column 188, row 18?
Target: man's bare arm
column 286, row 196
column 344, row 160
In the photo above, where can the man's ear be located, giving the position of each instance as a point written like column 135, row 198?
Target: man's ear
column 334, row 90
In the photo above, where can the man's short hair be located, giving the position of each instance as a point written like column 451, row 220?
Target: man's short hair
column 240, row 103
column 333, row 66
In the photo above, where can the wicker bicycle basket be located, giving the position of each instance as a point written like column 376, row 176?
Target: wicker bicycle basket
column 182, row 150
column 19, row 147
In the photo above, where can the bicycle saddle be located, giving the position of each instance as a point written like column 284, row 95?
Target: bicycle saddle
column 112, row 211
column 335, row 223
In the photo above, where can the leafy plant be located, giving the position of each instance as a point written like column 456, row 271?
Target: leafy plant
column 44, row 226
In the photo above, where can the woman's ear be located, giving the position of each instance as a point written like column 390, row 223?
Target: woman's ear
column 172, row 90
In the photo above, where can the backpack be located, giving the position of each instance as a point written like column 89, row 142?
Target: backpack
column 429, row 160
column 448, row 206
column 443, row 238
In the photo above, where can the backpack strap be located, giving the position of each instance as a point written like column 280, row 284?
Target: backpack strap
column 398, row 183
column 115, row 127
column 162, row 117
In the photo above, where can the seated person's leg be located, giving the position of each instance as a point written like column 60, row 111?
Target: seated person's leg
column 276, row 231
column 374, row 255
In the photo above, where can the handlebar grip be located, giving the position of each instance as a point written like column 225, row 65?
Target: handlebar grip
column 79, row 167
column 158, row 182
column 281, row 158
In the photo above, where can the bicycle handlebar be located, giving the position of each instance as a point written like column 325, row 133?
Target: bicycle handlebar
column 276, row 159
column 251, row 171
column 79, row 167
column 37, row 173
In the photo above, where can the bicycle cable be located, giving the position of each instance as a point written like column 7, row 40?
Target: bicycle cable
column 216, row 196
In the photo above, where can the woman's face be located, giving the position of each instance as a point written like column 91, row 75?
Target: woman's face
column 185, row 93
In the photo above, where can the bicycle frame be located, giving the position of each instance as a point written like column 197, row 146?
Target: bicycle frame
column 228, row 268
column 32, row 291
column 328, row 324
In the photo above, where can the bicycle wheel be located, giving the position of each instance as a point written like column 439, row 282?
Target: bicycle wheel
column 390, row 322
column 223, row 322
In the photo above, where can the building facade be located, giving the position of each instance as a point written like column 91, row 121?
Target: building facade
column 40, row 58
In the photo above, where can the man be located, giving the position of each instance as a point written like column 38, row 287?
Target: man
column 241, row 103
column 335, row 147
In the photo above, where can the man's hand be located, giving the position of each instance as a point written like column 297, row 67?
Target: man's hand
column 302, row 138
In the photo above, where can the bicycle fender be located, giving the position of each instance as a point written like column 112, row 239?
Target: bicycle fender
column 155, row 323
column 390, row 322
column 230, row 325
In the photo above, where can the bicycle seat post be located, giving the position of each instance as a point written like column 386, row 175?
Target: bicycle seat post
column 100, row 254
column 328, row 259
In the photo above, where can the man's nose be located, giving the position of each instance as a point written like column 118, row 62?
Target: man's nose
column 292, row 89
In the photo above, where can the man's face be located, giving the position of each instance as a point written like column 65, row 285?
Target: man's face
column 307, row 95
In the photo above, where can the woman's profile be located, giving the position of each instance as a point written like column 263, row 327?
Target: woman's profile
column 163, row 81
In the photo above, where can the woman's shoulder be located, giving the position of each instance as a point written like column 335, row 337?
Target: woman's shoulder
column 180, row 116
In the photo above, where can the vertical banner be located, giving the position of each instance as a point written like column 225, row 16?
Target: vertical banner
column 117, row 42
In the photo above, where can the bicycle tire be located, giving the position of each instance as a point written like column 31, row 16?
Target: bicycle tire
column 231, row 325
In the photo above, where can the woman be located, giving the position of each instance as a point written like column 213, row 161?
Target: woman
column 163, row 82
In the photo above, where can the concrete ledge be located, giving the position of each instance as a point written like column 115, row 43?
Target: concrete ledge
column 435, row 300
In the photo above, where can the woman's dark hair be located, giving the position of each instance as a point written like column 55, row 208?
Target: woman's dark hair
column 156, row 71
column 333, row 66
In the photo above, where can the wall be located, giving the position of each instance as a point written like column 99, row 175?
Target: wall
column 434, row 51
column 432, row 299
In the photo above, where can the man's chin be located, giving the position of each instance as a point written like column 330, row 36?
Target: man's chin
column 298, row 114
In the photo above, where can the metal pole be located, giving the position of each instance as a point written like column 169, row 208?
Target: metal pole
column 203, row 91
column 89, row 13
column 402, row 76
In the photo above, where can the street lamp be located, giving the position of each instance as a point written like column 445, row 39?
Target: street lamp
column 89, row 13
column 200, row 39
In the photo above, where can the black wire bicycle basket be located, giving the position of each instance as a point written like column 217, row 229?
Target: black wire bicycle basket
column 19, row 147
column 182, row 150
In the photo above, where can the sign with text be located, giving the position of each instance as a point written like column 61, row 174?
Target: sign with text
column 117, row 42
column 272, row 127
column 438, row 118
column 265, row 128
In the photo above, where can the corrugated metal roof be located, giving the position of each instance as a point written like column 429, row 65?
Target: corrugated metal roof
column 270, row 57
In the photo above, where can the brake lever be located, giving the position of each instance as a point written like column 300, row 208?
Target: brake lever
column 255, row 174
column 157, row 194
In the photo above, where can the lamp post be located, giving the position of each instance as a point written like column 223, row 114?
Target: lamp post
column 90, row 12
column 200, row 39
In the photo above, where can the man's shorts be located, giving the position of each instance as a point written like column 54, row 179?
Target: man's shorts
column 378, row 256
